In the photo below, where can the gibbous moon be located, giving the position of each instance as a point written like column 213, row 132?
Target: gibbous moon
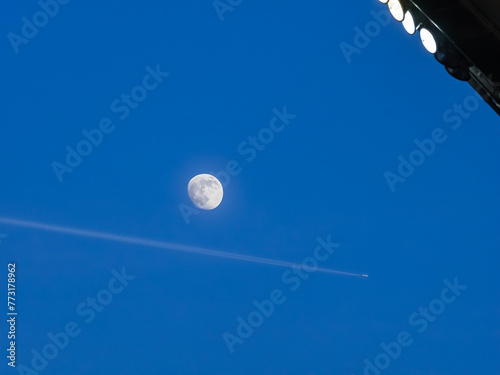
column 205, row 191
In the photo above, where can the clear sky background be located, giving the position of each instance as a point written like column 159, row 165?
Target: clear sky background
column 323, row 175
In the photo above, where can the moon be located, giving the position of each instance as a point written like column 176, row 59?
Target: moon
column 205, row 191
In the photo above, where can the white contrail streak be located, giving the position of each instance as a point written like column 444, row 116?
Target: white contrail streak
column 164, row 245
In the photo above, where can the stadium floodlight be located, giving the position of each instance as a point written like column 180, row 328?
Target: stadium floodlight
column 413, row 19
column 396, row 10
column 409, row 23
column 428, row 40
column 462, row 35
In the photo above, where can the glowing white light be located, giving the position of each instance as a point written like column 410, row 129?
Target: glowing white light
column 396, row 10
column 409, row 23
column 383, row 1
column 428, row 40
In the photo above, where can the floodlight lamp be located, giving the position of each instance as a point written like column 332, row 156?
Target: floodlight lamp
column 409, row 23
column 428, row 40
column 396, row 10
column 383, row 1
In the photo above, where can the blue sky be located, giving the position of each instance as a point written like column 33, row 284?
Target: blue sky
column 324, row 176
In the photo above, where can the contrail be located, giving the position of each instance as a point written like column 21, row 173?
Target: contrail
column 165, row 245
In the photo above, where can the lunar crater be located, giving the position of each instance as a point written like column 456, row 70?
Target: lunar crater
column 205, row 191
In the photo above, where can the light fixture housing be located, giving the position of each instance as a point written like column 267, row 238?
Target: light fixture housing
column 461, row 73
column 428, row 40
column 396, row 9
column 454, row 62
column 450, row 57
column 409, row 22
